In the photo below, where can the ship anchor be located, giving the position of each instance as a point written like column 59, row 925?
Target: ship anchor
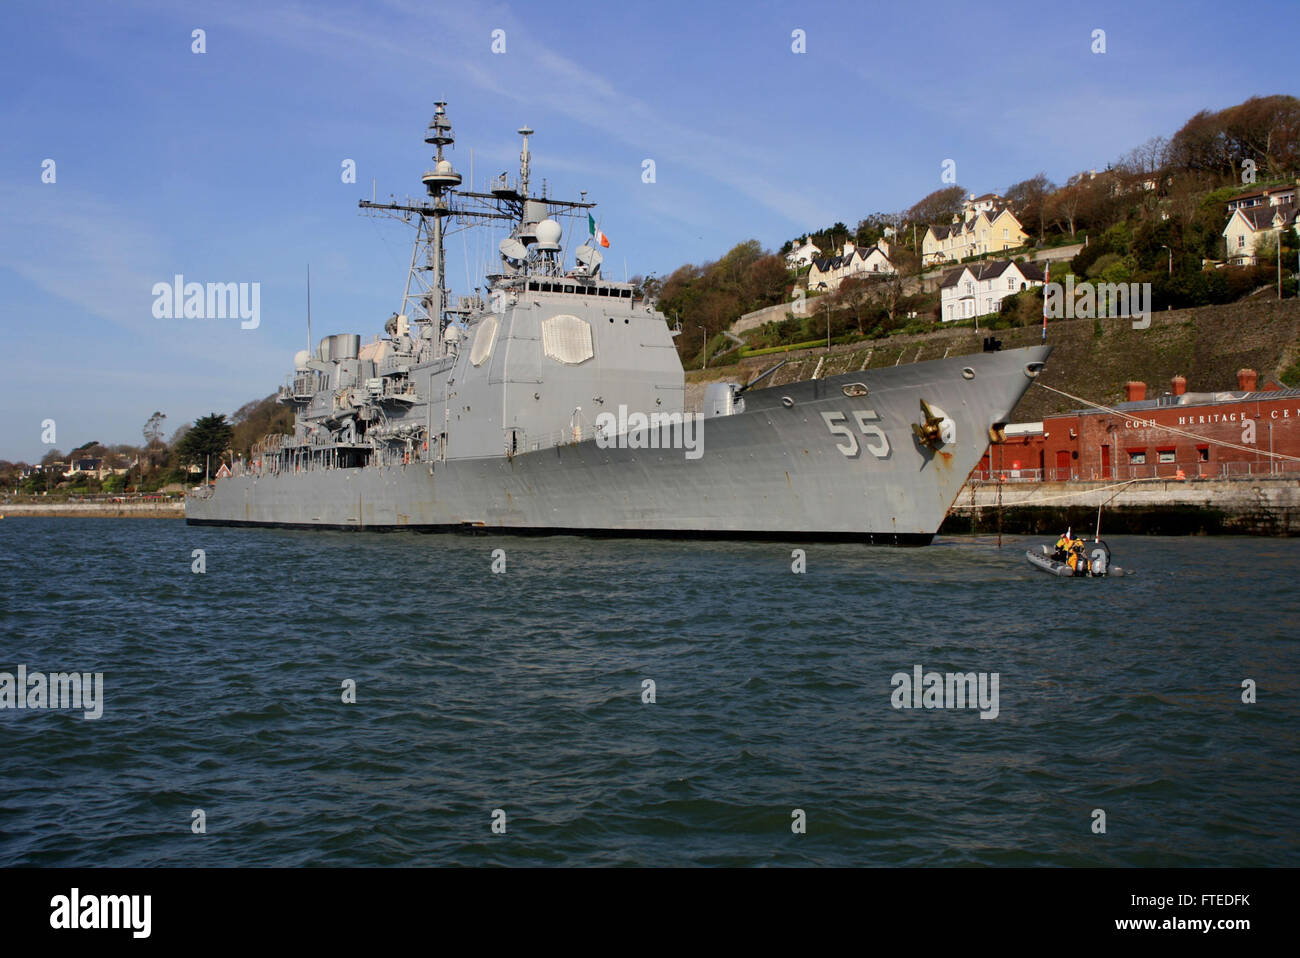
column 929, row 432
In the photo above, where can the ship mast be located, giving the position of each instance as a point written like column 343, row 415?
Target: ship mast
column 426, row 301
column 439, row 182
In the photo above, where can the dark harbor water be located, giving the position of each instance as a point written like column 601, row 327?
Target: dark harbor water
column 522, row 692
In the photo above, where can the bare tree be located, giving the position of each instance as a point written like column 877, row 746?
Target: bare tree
column 1064, row 205
column 1028, row 200
column 939, row 207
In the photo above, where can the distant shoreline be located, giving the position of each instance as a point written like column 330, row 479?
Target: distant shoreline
column 95, row 510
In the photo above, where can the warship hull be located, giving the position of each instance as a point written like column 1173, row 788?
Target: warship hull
column 833, row 458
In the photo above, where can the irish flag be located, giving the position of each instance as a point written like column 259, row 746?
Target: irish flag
column 597, row 233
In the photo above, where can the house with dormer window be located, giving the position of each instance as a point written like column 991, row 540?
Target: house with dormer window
column 984, row 230
column 828, row 272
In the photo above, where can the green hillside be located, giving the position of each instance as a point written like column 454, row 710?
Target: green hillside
column 1093, row 359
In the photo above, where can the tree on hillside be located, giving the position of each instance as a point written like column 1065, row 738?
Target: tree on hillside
column 1149, row 158
column 254, row 420
column 1063, row 207
column 206, row 442
column 871, row 229
column 767, row 279
column 652, row 287
column 1028, row 200
column 153, row 428
column 1265, row 130
column 938, row 208
column 730, row 270
column 51, row 476
column 1092, row 200
column 830, row 240
column 154, row 450
column 716, row 294
column 856, row 296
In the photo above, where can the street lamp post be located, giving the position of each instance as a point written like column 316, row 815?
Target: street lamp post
column 705, row 349
column 1171, row 258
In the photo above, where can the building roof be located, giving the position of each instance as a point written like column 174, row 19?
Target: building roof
column 991, row 269
column 827, row 263
column 1261, row 217
column 1222, row 397
column 1264, row 193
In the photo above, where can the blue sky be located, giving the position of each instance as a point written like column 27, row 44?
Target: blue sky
column 225, row 166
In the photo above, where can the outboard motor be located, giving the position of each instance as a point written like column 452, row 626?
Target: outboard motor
column 1100, row 560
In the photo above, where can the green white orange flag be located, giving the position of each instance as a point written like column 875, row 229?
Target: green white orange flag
column 597, row 232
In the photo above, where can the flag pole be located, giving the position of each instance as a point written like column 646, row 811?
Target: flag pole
column 1047, row 279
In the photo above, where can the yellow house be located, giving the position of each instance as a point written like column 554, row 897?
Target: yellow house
column 984, row 231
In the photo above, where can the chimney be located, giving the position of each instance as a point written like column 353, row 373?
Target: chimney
column 1179, row 384
column 1135, row 391
column 1246, row 380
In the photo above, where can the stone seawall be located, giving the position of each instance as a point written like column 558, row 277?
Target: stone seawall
column 101, row 510
column 1250, row 506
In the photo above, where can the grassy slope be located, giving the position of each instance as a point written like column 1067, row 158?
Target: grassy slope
column 1207, row 345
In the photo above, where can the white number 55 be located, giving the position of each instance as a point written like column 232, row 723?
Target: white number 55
column 865, row 419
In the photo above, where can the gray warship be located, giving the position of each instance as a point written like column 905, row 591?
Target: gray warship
column 552, row 400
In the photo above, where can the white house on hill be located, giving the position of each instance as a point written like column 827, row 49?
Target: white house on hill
column 865, row 261
column 803, row 254
column 1253, row 216
column 978, row 289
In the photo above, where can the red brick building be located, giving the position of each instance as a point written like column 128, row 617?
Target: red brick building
column 1220, row 434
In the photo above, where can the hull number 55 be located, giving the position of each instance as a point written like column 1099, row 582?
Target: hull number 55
column 875, row 441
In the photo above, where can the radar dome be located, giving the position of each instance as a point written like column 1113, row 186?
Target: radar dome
column 444, row 166
column 300, row 358
column 549, row 233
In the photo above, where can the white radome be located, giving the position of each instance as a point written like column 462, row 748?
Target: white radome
column 549, row 233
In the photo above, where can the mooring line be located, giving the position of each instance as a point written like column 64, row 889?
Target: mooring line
column 1173, row 429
